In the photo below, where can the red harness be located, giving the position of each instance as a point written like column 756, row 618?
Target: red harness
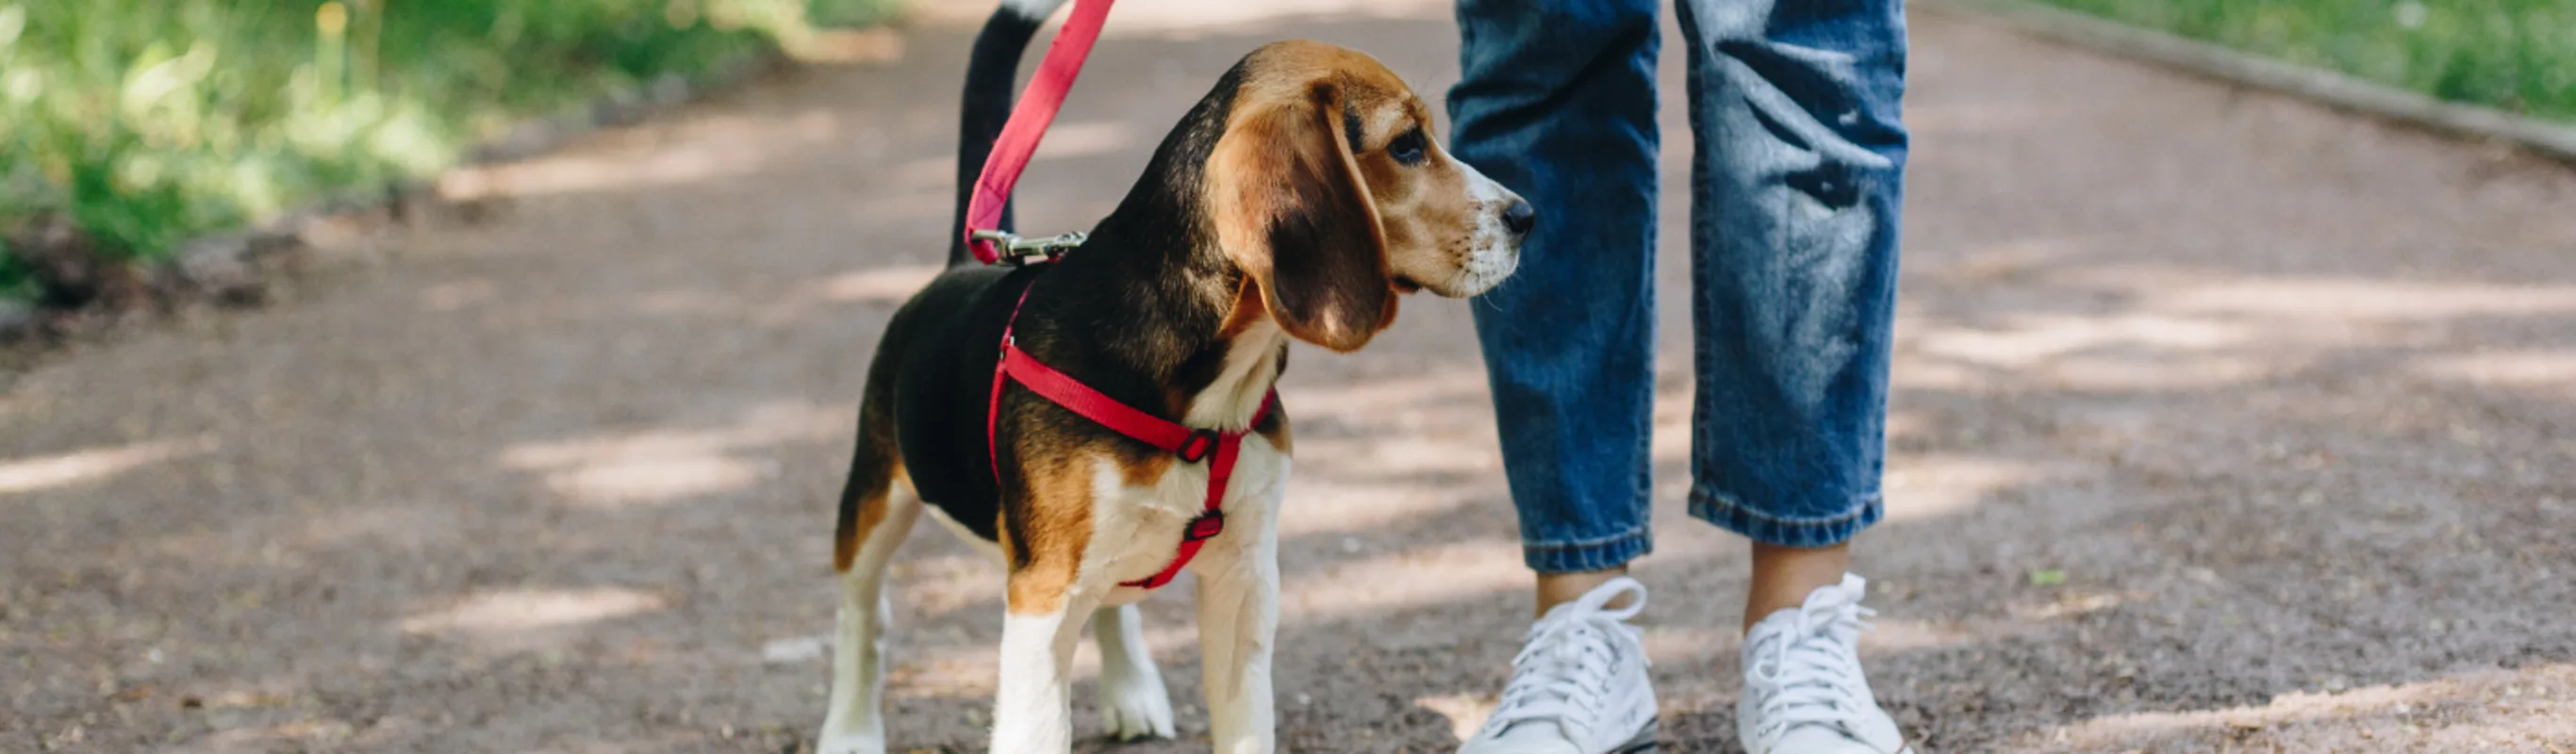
column 1019, row 139
column 1219, row 449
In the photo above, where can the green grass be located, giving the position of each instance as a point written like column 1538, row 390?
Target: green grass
column 148, row 122
column 2516, row 55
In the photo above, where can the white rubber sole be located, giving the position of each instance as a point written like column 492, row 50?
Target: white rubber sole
column 1644, row 742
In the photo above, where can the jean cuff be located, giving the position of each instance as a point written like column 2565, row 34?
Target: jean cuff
column 1723, row 510
column 1600, row 554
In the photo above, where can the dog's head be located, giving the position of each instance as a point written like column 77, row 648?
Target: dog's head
column 1329, row 192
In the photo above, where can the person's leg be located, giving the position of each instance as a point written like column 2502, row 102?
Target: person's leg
column 1557, row 101
column 1796, row 185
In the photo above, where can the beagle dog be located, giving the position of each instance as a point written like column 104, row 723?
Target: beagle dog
column 1295, row 201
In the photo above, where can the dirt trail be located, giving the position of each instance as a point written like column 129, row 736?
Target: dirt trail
column 2289, row 399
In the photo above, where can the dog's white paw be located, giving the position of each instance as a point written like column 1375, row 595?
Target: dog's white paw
column 850, row 744
column 1133, row 705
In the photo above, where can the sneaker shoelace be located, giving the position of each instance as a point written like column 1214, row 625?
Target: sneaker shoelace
column 1808, row 674
column 1564, row 669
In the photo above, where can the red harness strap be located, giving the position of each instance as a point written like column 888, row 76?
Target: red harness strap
column 1192, row 445
column 1029, row 121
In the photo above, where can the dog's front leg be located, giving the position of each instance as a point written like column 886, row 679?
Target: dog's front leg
column 1238, row 616
column 1033, row 714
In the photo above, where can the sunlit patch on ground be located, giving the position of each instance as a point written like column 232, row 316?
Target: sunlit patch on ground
column 1926, row 485
column 2532, row 710
column 1417, row 575
column 669, row 465
column 631, row 162
column 1466, row 712
column 456, row 294
column 92, row 464
column 511, row 610
column 2524, row 369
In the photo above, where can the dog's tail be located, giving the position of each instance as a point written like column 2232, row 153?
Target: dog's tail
column 992, row 70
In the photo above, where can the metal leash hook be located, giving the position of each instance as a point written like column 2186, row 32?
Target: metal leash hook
column 1017, row 250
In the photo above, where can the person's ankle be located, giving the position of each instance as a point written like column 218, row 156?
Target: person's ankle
column 1559, row 588
column 1784, row 576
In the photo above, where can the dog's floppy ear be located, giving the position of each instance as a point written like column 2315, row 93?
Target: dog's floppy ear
column 1291, row 210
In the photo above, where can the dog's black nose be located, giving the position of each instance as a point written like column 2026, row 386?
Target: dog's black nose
column 1520, row 217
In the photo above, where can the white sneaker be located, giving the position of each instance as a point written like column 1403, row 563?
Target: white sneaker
column 1803, row 690
column 1579, row 685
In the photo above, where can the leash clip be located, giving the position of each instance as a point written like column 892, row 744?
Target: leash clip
column 1016, row 251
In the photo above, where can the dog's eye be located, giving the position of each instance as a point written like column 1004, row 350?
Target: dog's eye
column 1409, row 148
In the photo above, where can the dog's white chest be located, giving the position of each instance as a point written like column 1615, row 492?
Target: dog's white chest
column 1137, row 528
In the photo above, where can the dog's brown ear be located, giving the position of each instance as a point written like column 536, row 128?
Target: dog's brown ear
column 1290, row 208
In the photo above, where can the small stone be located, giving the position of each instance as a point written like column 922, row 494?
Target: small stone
column 17, row 318
column 669, row 89
column 797, row 649
column 220, row 265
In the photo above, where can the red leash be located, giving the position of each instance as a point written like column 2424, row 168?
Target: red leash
column 1019, row 139
column 1029, row 120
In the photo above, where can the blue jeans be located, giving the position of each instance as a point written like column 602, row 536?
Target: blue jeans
column 1795, row 186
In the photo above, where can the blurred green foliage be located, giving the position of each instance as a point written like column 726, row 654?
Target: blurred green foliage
column 2517, row 55
column 148, row 122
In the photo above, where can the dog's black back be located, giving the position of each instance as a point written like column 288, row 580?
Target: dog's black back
column 949, row 343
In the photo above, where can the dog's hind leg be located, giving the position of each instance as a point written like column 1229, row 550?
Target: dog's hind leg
column 1133, row 702
column 856, row 722
column 878, row 508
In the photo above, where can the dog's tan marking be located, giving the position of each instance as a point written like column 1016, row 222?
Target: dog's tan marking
column 1045, row 552
column 1139, row 470
column 871, row 512
column 1248, row 310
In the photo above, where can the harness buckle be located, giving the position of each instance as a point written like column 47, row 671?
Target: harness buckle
column 1206, row 526
column 1017, row 252
column 1200, row 444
